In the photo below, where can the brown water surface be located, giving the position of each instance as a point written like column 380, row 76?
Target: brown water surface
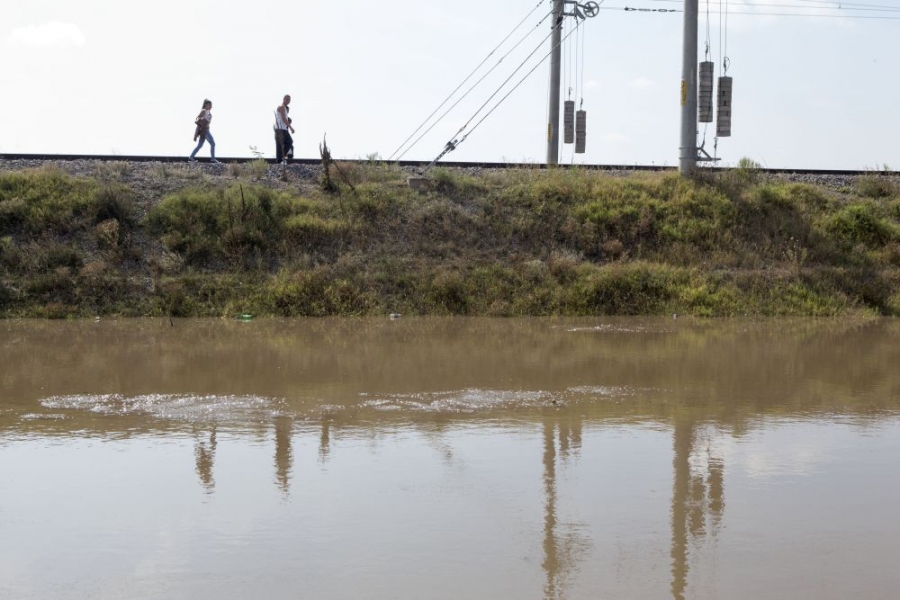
column 449, row 459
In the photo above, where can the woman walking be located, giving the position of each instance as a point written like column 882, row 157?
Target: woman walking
column 202, row 132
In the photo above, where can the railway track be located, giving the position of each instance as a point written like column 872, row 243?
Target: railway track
column 422, row 164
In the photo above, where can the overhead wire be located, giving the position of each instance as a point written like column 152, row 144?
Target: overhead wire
column 726, row 62
column 834, row 5
column 579, row 77
column 831, row 5
column 508, row 94
column 573, row 57
column 706, row 57
column 573, row 64
column 583, row 36
column 581, row 82
column 641, row 10
column 861, row 6
column 754, row 14
column 549, row 94
column 721, row 65
column 481, row 64
column 454, row 143
column 721, row 54
column 565, row 62
column 574, row 82
column 507, row 80
column 475, row 85
column 813, row 16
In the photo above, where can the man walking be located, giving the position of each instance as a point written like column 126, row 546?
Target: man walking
column 284, row 143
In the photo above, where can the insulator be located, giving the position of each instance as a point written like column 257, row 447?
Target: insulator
column 723, row 123
column 580, row 132
column 569, row 122
column 706, row 92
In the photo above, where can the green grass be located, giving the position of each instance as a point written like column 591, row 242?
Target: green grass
column 240, row 225
column 524, row 242
column 36, row 202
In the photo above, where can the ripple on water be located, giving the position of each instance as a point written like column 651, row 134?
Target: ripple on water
column 43, row 417
column 188, row 408
column 460, row 401
column 613, row 328
column 482, row 400
column 177, row 407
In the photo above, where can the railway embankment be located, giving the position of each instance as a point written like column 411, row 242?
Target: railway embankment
column 87, row 238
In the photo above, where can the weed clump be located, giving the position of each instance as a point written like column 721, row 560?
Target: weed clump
column 238, row 225
column 35, row 201
column 113, row 202
column 258, row 168
column 862, row 224
column 235, row 170
column 875, row 186
column 115, row 170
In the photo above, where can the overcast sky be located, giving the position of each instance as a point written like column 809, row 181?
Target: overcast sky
column 128, row 77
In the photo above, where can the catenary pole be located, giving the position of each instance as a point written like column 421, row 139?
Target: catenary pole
column 555, row 76
column 688, row 151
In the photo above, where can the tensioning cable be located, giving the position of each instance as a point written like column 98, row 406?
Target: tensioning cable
column 483, row 77
column 454, row 144
column 481, row 64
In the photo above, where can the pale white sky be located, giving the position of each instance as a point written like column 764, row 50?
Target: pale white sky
column 128, row 77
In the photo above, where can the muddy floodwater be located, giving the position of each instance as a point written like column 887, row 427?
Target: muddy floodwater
column 450, row 459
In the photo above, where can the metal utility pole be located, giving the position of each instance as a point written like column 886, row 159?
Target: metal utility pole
column 555, row 83
column 688, row 152
column 580, row 11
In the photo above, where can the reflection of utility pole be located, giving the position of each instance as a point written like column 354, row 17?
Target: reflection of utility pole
column 204, row 457
column 551, row 551
column 561, row 551
column 695, row 496
column 284, row 459
column 569, row 437
column 716, row 492
column 684, row 443
column 325, row 440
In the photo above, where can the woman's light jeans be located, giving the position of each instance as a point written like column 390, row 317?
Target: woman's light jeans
column 212, row 145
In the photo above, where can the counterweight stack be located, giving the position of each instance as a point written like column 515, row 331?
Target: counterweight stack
column 580, row 132
column 569, row 122
column 706, row 91
column 723, row 124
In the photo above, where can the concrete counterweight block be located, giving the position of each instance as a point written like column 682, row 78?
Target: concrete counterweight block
column 419, row 184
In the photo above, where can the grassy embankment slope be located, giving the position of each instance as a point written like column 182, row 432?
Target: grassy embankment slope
column 184, row 242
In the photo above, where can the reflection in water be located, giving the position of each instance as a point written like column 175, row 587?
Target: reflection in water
column 466, row 387
column 698, row 499
column 562, row 551
column 325, row 440
column 551, row 546
column 716, row 482
column 284, row 458
column 205, row 456
column 698, row 495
